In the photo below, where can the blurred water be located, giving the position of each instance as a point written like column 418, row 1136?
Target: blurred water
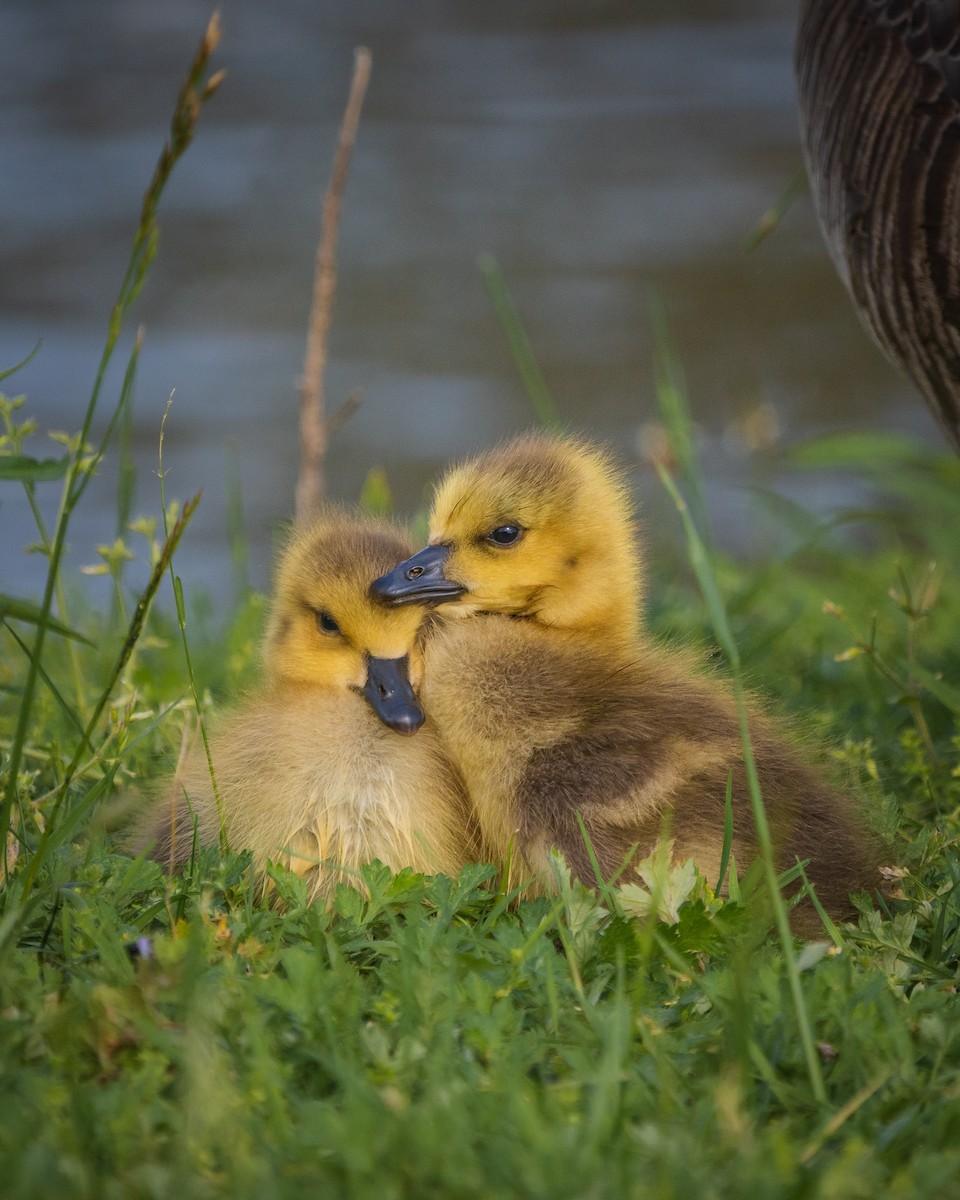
column 595, row 152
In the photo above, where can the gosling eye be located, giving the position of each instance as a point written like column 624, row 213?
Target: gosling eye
column 326, row 623
column 505, row 535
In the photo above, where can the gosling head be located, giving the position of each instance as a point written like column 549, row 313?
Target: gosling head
column 326, row 631
column 540, row 528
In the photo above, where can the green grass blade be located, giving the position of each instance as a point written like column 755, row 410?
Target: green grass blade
column 703, row 569
column 733, row 882
column 184, row 641
column 946, row 693
column 605, row 887
column 5, row 374
column 124, row 403
column 22, row 468
column 868, row 449
column 832, row 931
column 69, row 712
column 49, row 839
column 376, row 495
column 523, row 355
column 937, row 936
column 126, row 467
column 775, row 213
column 727, row 835
column 14, row 609
column 707, row 579
column 62, row 830
column 193, row 94
column 671, row 389
column 13, row 920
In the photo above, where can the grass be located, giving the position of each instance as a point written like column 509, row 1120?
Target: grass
column 172, row 1036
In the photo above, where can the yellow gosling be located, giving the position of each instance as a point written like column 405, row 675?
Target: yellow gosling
column 312, row 769
column 541, row 528
column 551, row 709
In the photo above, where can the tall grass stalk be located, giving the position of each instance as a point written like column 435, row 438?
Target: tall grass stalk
column 676, row 415
column 30, row 479
column 770, row 219
column 127, row 469
column 69, row 712
column 727, row 835
column 523, row 355
column 671, row 389
column 122, row 408
column 8, row 371
column 707, row 579
column 195, row 91
column 182, row 623
column 126, row 650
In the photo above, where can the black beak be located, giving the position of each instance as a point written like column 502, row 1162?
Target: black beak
column 419, row 580
column 389, row 694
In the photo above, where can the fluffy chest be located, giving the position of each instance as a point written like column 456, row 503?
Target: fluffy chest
column 496, row 698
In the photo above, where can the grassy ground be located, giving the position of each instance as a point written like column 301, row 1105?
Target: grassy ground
column 434, row 1039
column 428, row 1037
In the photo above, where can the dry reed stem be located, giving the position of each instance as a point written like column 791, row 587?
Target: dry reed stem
column 315, row 429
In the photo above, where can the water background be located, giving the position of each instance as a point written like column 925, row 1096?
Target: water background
column 599, row 150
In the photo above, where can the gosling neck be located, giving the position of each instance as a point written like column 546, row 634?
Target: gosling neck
column 599, row 599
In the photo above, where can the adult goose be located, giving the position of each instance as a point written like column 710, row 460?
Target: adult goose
column 879, row 93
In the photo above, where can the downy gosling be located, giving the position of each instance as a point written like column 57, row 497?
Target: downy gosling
column 552, row 704
column 312, row 770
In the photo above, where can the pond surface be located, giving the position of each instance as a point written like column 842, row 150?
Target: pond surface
column 600, row 156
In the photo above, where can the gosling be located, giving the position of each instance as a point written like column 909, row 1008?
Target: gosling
column 556, row 708
column 310, row 770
